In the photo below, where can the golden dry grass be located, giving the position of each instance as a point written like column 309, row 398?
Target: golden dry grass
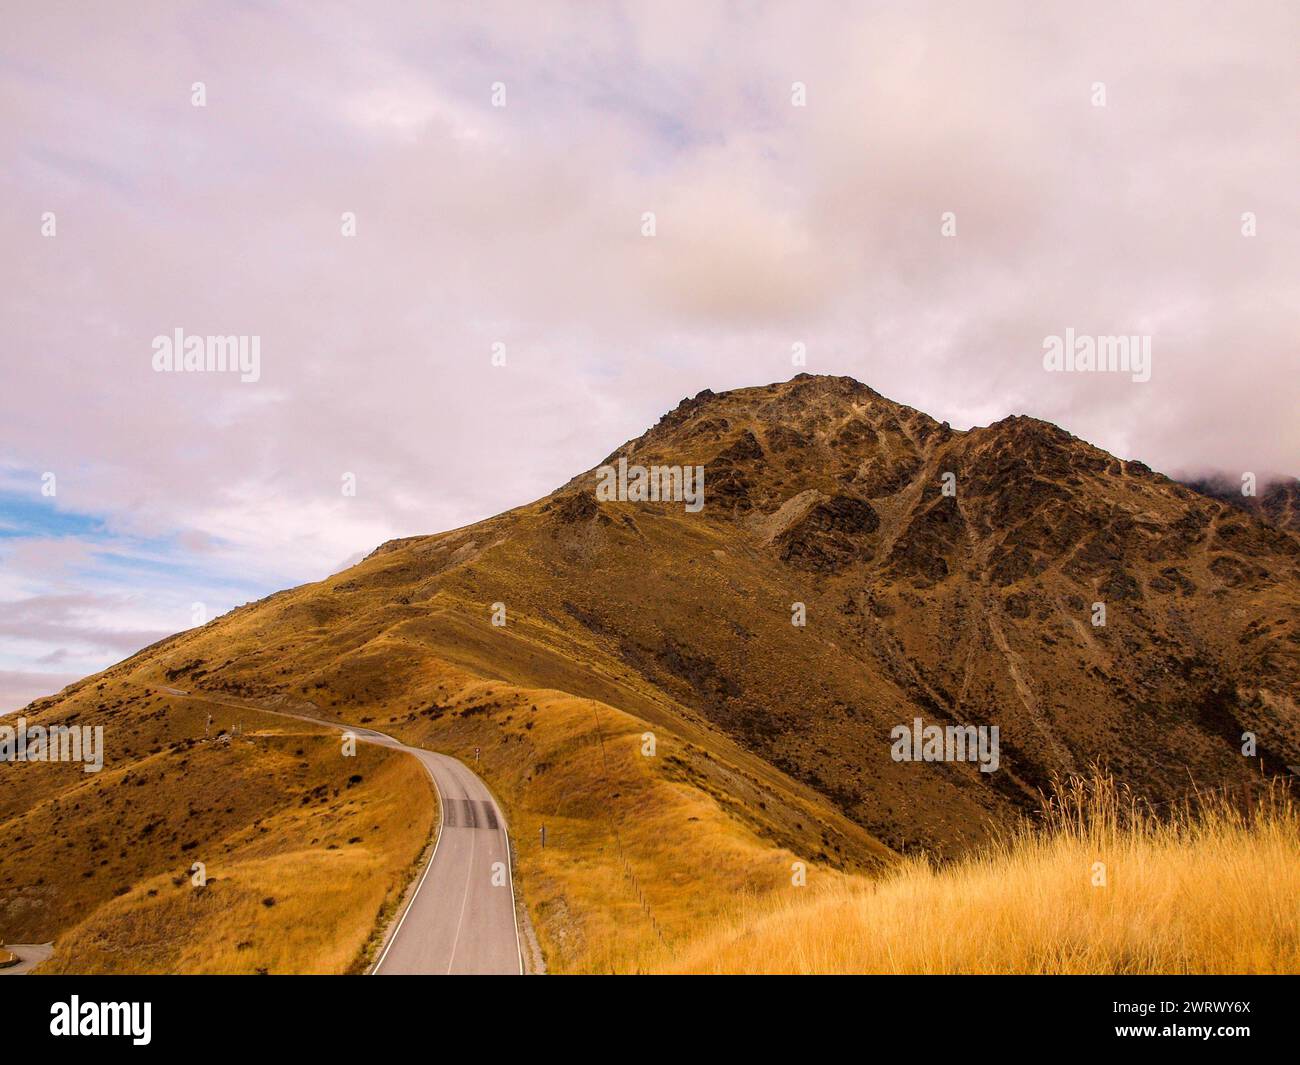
column 300, row 893
column 634, row 859
column 641, row 850
column 1202, row 888
column 101, row 863
column 771, row 736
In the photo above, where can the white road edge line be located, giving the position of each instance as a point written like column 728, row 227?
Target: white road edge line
column 510, row 869
column 442, row 808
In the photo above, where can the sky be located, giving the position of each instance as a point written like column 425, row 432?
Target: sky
column 385, row 194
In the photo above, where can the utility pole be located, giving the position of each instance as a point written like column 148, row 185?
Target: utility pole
column 543, row 837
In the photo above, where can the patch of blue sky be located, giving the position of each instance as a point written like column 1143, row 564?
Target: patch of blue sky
column 161, row 563
column 29, row 515
column 114, row 561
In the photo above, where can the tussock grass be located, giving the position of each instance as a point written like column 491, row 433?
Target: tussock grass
column 305, row 851
column 297, row 898
column 640, row 851
column 1209, row 885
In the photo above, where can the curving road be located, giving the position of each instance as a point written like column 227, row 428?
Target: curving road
column 29, row 956
column 461, row 918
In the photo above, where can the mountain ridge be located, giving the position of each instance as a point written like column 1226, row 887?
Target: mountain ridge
column 948, row 575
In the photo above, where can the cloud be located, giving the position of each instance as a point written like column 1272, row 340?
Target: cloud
column 71, row 620
column 19, row 687
column 77, row 596
column 521, row 226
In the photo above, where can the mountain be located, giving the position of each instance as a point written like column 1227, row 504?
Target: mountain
column 649, row 700
column 970, row 608
column 1276, row 500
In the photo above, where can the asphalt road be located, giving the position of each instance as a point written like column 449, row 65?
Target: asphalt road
column 29, row 956
column 461, row 918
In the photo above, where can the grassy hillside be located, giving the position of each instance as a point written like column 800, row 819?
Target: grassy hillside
column 302, row 847
column 638, row 625
column 639, row 847
column 1203, row 889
